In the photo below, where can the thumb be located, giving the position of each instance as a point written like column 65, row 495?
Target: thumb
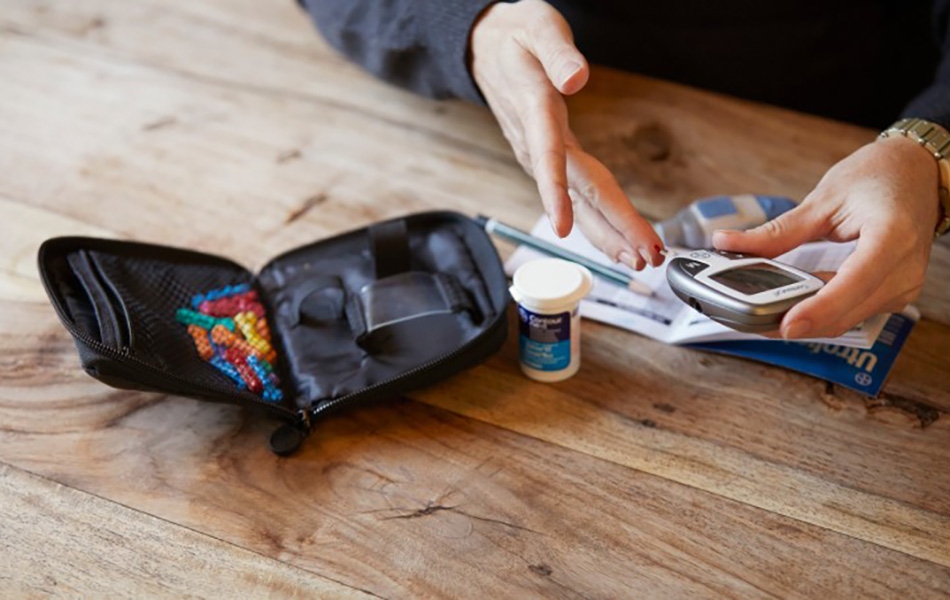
column 550, row 40
column 778, row 236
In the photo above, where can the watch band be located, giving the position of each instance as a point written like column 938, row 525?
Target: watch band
column 936, row 140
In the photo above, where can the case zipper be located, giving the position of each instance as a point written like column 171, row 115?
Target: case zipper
column 289, row 437
column 315, row 411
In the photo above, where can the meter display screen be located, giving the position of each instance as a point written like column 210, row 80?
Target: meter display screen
column 755, row 278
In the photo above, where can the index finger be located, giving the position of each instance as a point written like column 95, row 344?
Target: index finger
column 543, row 127
column 542, row 114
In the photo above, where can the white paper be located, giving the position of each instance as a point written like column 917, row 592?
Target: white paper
column 665, row 317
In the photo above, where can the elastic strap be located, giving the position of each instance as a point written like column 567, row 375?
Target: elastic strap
column 354, row 318
column 456, row 298
column 389, row 243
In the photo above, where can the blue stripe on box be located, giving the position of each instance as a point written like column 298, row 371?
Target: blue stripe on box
column 861, row 370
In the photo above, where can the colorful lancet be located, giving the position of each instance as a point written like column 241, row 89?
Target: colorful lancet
column 226, row 307
column 263, row 329
column 250, row 379
column 271, row 391
column 230, row 331
column 229, row 370
column 228, row 290
column 190, row 317
column 202, row 341
column 223, row 337
column 246, row 322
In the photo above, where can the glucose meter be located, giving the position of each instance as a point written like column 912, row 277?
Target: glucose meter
column 746, row 293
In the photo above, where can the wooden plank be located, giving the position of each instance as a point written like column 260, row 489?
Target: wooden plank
column 95, row 548
column 404, row 500
column 690, row 418
column 268, row 50
column 217, row 163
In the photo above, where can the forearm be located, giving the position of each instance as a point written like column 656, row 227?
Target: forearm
column 420, row 45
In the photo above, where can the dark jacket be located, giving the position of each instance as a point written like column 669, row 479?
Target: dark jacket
column 864, row 61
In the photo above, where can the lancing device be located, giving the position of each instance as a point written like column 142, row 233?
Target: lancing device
column 513, row 234
column 693, row 226
column 745, row 293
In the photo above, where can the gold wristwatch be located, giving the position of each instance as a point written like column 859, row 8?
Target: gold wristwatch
column 936, row 140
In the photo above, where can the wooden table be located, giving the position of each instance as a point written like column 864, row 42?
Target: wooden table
column 228, row 126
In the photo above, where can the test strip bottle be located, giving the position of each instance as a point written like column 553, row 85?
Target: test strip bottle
column 548, row 292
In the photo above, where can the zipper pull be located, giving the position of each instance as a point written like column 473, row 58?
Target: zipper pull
column 287, row 438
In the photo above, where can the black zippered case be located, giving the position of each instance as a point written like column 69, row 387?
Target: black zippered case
column 361, row 316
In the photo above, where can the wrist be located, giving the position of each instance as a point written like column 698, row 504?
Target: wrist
column 490, row 29
column 932, row 138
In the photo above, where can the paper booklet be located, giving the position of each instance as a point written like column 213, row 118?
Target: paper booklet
column 665, row 317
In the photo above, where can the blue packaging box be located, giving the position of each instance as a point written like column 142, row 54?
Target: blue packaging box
column 862, row 370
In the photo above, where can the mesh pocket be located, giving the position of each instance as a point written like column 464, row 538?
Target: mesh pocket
column 153, row 290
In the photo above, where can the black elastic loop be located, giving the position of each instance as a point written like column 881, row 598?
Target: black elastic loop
column 355, row 319
column 389, row 243
column 454, row 294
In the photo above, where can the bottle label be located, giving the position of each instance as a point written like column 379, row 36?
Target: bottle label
column 544, row 341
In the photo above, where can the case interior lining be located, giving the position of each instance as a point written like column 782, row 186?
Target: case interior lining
column 321, row 355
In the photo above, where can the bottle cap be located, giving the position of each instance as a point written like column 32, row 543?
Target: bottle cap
column 551, row 283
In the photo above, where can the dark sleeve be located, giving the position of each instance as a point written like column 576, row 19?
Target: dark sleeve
column 420, row 45
column 933, row 103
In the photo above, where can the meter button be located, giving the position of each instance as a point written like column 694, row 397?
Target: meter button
column 693, row 267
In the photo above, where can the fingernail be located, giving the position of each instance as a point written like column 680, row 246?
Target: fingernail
column 646, row 256
column 717, row 235
column 627, row 259
column 797, row 329
column 568, row 71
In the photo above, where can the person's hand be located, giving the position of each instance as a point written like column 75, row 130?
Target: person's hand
column 523, row 60
column 885, row 196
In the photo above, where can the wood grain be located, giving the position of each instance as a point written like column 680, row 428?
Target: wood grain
column 778, row 445
column 657, row 469
column 95, row 547
column 406, row 500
